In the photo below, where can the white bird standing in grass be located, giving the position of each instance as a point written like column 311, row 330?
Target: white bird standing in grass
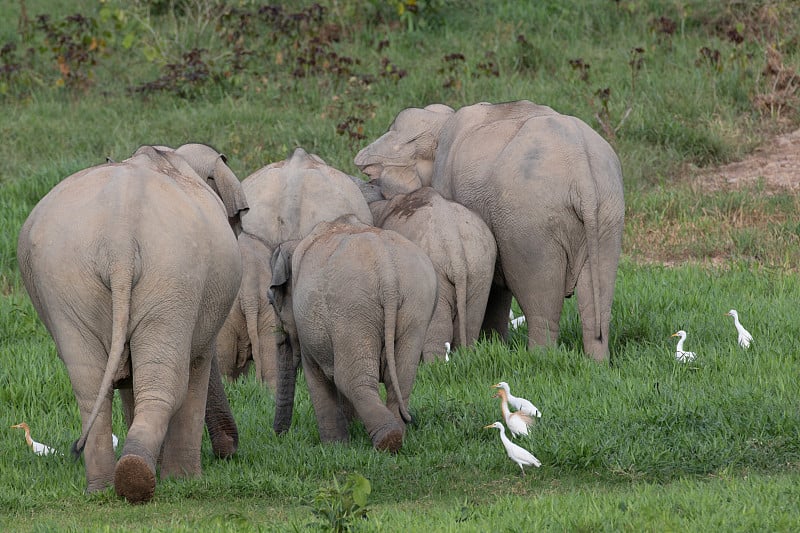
column 520, row 404
column 744, row 336
column 517, row 421
column 680, row 354
column 516, row 322
column 518, row 454
column 446, row 352
column 37, row 447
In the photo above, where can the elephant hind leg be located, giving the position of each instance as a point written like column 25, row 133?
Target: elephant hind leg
column 85, row 359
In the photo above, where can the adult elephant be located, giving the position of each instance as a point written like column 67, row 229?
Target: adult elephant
column 462, row 250
column 133, row 267
column 354, row 302
column 287, row 199
column 547, row 185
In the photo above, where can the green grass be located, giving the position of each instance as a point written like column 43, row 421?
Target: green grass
column 645, row 443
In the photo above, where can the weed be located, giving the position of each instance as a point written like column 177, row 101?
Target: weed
column 338, row 507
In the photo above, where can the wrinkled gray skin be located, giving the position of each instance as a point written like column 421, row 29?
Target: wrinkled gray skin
column 133, row 267
column 463, row 252
column 547, row 185
column 287, row 199
column 248, row 334
column 354, row 302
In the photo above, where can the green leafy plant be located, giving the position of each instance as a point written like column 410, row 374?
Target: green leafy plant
column 337, row 507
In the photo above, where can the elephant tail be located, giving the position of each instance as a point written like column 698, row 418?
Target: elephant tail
column 389, row 329
column 589, row 209
column 251, row 311
column 121, row 285
column 461, row 306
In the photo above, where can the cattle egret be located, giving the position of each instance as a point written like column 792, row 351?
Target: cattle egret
column 517, row 421
column 37, row 447
column 520, row 404
column 447, row 351
column 744, row 336
column 518, row 454
column 516, row 322
column 680, row 355
column 114, row 441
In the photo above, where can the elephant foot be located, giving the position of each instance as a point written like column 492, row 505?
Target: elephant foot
column 391, row 441
column 134, row 480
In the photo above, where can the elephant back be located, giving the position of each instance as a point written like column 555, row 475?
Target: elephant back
column 287, row 199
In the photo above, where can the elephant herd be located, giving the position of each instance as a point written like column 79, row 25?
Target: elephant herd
column 158, row 274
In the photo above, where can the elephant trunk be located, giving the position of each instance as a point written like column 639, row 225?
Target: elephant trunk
column 287, row 379
column 219, row 420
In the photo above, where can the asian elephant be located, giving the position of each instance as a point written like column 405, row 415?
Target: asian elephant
column 287, row 199
column 133, row 267
column 463, row 252
column 248, row 334
column 354, row 302
column 547, row 185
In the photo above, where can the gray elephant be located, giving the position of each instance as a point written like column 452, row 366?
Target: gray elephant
column 547, row 185
column 133, row 267
column 248, row 334
column 287, row 199
column 463, row 252
column 354, row 302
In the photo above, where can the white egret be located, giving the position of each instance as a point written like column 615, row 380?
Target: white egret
column 37, row 447
column 446, row 351
column 744, row 336
column 680, row 354
column 520, row 404
column 517, row 421
column 518, row 454
column 114, row 441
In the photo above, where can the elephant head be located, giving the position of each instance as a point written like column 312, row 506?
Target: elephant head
column 212, row 167
column 280, row 296
column 401, row 160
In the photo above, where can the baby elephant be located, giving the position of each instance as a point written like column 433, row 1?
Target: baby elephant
column 354, row 302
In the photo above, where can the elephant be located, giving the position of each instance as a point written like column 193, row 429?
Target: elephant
column 548, row 187
column 248, row 334
column 287, row 199
column 354, row 303
column 463, row 252
column 133, row 267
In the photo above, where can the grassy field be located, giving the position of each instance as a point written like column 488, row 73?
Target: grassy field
column 643, row 444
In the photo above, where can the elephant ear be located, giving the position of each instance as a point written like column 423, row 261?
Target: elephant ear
column 281, row 265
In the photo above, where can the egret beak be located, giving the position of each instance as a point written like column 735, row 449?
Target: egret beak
column 495, row 386
column 489, row 426
column 727, row 314
column 495, row 395
column 674, row 335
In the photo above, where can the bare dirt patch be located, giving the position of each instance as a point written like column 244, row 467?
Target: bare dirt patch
column 775, row 165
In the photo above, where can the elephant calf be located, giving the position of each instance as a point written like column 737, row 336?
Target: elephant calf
column 354, row 302
column 463, row 253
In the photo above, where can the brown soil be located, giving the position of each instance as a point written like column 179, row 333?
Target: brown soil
column 775, row 165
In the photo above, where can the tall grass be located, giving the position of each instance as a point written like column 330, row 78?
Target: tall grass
column 644, row 443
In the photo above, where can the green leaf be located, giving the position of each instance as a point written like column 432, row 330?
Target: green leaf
column 128, row 41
